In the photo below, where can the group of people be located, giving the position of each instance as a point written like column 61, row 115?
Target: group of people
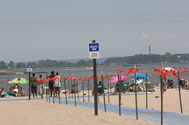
column 37, row 85
column 182, row 82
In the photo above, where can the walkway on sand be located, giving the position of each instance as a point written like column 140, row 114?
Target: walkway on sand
column 150, row 115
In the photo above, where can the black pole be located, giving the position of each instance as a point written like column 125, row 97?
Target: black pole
column 71, row 87
column 180, row 98
column 119, row 85
column 29, row 87
column 46, row 92
column 146, row 93
column 42, row 90
column 75, row 92
column 83, row 90
column 108, row 91
column 88, row 90
column 136, row 98
column 161, row 88
column 49, row 95
column 103, row 93
column 65, row 90
column 59, row 88
column 53, row 96
column 95, row 85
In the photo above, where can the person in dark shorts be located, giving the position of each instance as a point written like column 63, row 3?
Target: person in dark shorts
column 51, row 82
column 34, row 83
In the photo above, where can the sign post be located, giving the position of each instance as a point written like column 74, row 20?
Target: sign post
column 94, row 53
column 29, row 70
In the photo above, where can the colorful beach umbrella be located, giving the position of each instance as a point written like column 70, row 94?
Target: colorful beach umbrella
column 168, row 68
column 19, row 80
column 140, row 75
column 115, row 79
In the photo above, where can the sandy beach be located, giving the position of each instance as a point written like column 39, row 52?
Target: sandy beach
column 38, row 112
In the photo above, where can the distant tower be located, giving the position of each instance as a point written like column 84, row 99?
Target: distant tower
column 150, row 42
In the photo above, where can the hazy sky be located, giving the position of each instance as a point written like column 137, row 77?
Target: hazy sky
column 62, row 29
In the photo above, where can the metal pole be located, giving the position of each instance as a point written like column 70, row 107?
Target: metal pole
column 161, row 88
column 108, row 91
column 29, row 87
column 95, row 85
column 103, row 93
column 75, row 92
column 46, row 93
column 53, row 96
column 119, row 84
column 71, row 87
column 136, row 98
column 46, row 90
column 42, row 91
column 83, row 90
column 180, row 98
column 88, row 91
column 59, row 90
column 146, row 93
column 65, row 90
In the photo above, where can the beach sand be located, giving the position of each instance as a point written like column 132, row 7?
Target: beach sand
column 170, row 98
column 38, row 112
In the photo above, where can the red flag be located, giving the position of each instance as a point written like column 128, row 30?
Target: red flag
column 19, row 79
column 173, row 74
column 63, row 76
column 50, row 79
column 8, row 79
column 157, row 71
column 107, row 76
column 78, row 79
column 127, row 73
column 45, row 80
column 182, row 73
column 83, row 78
column 67, row 78
column 119, row 70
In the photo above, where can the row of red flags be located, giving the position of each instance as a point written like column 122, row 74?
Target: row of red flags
column 164, row 73
column 176, row 72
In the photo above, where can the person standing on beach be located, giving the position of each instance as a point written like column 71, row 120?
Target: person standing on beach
column 51, row 82
column 40, row 84
column 34, row 83
column 57, row 85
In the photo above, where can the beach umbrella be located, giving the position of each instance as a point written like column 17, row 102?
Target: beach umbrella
column 140, row 76
column 168, row 68
column 19, row 80
column 114, row 79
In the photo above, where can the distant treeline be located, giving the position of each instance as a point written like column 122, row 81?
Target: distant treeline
column 48, row 63
column 147, row 59
column 136, row 59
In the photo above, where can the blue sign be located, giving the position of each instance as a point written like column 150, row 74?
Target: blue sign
column 93, row 47
column 29, row 66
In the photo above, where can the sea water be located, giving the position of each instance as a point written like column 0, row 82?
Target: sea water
column 78, row 72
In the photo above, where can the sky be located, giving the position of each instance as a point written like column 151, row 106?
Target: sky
column 32, row 30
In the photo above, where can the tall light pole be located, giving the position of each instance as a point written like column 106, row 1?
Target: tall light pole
column 150, row 42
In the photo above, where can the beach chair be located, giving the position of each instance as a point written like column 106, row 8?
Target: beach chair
column 100, row 89
column 125, row 86
column 9, row 92
column 149, row 86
